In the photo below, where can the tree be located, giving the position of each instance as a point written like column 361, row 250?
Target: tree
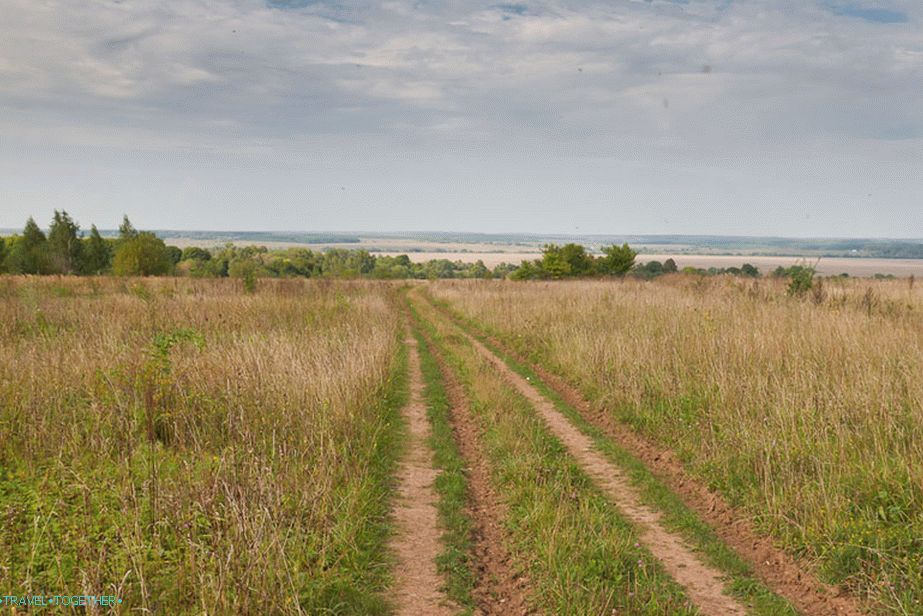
column 554, row 261
column 527, row 270
column 617, row 260
column 479, row 270
column 175, row 254
column 669, row 267
column 97, row 253
column 195, row 253
column 576, row 257
column 126, row 230
column 143, row 254
column 2, row 255
column 503, row 270
column 31, row 250
column 64, row 245
column 649, row 270
column 750, row 270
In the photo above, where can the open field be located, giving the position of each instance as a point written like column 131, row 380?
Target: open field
column 683, row 446
column 808, row 415
column 189, row 448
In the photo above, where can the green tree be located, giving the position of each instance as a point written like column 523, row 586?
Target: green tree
column 64, row 245
column 527, row 270
column 3, row 252
column 669, row 267
column 577, row 259
column 554, row 261
column 126, row 230
column 143, row 254
column 175, row 254
column 616, row 260
column 195, row 253
column 248, row 269
column 648, row 270
column 503, row 270
column 478, row 270
column 28, row 253
column 341, row 263
column 97, row 253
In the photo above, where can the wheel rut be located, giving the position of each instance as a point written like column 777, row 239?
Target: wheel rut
column 778, row 570
column 416, row 542
column 703, row 584
column 500, row 589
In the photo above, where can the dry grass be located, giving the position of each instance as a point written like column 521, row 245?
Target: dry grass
column 806, row 412
column 190, row 448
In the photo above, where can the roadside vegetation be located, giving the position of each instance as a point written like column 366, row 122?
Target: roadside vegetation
column 190, row 448
column 451, row 484
column 579, row 554
column 802, row 409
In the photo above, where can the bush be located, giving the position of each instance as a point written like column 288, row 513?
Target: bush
column 142, row 254
column 801, row 279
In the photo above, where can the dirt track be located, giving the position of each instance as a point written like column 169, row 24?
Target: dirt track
column 780, row 572
column 416, row 543
column 499, row 589
column 703, row 583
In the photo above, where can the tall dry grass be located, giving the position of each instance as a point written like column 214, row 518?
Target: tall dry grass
column 189, row 447
column 807, row 412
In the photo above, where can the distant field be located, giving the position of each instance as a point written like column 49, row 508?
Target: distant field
column 828, row 266
column 699, row 252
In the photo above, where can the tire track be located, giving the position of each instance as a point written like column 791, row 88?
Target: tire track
column 779, row 571
column 703, row 584
column 500, row 590
column 416, row 543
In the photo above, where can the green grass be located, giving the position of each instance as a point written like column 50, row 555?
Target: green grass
column 250, row 473
column 451, row 484
column 364, row 576
column 580, row 555
column 676, row 516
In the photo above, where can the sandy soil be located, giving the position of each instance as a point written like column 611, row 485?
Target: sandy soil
column 416, row 543
column 775, row 568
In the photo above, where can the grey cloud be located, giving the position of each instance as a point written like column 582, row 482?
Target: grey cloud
column 539, row 83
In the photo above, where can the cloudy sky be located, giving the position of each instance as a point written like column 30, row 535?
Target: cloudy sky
column 794, row 118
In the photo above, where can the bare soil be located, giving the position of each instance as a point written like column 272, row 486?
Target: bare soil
column 416, row 544
column 500, row 589
column 777, row 570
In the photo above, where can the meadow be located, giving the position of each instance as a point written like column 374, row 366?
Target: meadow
column 806, row 413
column 210, row 446
column 191, row 448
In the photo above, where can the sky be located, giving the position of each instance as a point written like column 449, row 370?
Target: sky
column 797, row 118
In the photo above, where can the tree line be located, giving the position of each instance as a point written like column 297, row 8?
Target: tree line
column 66, row 250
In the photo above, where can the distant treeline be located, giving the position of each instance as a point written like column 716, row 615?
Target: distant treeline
column 66, row 250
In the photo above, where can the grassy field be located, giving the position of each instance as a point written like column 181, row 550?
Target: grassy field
column 191, row 448
column 195, row 446
column 807, row 413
